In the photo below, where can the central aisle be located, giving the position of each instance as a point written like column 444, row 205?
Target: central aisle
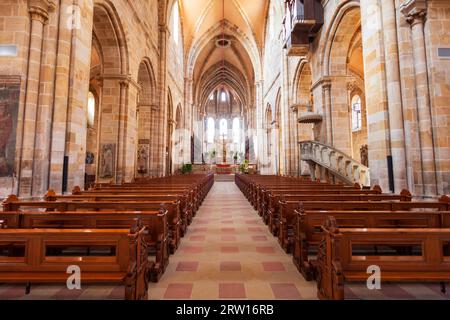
column 228, row 253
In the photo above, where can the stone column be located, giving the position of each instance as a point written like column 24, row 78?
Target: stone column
column 394, row 93
column 326, row 93
column 163, row 123
column 415, row 13
column 120, row 155
column 39, row 11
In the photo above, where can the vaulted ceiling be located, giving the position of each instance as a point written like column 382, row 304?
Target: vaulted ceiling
column 234, row 65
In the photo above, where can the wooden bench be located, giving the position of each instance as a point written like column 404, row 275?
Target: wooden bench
column 12, row 203
column 288, row 212
column 308, row 229
column 156, row 233
column 31, row 256
column 403, row 255
column 270, row 197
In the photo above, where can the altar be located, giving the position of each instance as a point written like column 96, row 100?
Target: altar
column 226, row 168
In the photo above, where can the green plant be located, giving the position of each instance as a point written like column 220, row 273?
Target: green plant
column 186, row 168
column 243, row 168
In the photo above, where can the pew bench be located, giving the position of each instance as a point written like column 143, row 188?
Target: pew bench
column 12, row 203
column 104, row 256
column 403, row 255
column 308, row 229
column 155, row 235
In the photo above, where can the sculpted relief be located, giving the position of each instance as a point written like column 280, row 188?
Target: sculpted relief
column 9, row 105
column 107, row 161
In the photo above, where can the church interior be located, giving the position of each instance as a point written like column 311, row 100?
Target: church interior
column 224, row 149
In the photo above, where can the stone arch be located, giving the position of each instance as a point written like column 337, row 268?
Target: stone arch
column 146, row 124
column 340, row 39
column 109, row 31
column 249, row 45
column 340, row 15
column 109, row 40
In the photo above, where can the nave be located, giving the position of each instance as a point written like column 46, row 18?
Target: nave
column 228, row 253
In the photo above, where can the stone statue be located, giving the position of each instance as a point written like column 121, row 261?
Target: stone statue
column 107, row 163
column 6, row 127
column 364, row 151
column 143, row 159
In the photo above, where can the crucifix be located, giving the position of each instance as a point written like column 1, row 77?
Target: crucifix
column 224, row 146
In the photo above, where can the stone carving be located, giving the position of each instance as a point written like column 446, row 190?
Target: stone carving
column 107, row 161
column 142, row 158
column 9, row 105
column 364, row 151
column 90, row 158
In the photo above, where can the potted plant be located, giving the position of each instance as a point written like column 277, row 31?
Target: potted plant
column 213, row 156
column 186, row 168
column 244, row 167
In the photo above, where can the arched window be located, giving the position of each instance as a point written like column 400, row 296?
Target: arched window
column 210, row 130
column 176, row 23
column 356, row 114
column 223, row 96
column 90, row 110
column 236, row 130
column 223, row 128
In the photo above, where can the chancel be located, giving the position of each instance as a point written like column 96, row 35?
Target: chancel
column 217, row 149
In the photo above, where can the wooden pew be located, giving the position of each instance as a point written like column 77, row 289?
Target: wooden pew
column 185, row 206
column 308, row 229
column 403, row 255
column 32, row 256
column 285, row 221
column 156, row 234
column 12, row 203
column 271, row 196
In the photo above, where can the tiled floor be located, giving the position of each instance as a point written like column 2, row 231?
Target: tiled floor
column 228, row 253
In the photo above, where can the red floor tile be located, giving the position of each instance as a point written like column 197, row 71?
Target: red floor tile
column 197, row 238
column 192, row 249
column 273, row 267
column 251, row 222
column 197, row 230
column 229, row 249
column 187, row 266
column 227, row 221
column 232, row 291
column 265, row 250
column 179, row 291
column 285, row 291
column 228, row 230
column 230, row 266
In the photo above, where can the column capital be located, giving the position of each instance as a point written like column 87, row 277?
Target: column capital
column 414, row 11
column 39, row 9
column 325, row 82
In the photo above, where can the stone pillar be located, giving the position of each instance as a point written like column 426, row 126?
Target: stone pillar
column 415, row 13
column 61, row 92
column 163, row 123
column 326, row 93
column 394, row 93
column 121, row 139
column 39, row 11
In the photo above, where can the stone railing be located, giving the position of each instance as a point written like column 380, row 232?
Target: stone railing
column 338, row 163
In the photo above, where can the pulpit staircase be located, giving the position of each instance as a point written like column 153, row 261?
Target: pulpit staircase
column 335, row 161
